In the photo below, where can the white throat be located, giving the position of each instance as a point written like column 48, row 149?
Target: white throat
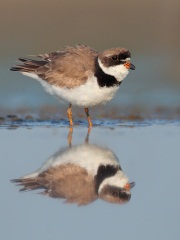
column 118, row 71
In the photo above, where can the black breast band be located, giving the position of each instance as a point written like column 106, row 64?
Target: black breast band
column 104, row 80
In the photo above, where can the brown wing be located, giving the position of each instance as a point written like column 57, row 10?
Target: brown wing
column 67, row 181
column 68, row 68
column 72, row 183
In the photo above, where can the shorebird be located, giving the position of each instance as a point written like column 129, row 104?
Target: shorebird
column 79, row 75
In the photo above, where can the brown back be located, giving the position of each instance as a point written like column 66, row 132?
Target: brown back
column 68, row 68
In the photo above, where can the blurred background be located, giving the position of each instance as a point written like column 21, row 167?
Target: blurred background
column 149, row 29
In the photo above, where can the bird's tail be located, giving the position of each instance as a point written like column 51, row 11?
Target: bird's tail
column 27, row 184
column 28, row 65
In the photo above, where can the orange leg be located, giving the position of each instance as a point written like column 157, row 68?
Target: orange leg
column 88, row 117
column 70, row 136
column 69, row 112
column 87, row 135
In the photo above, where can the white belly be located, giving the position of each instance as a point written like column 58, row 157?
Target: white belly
column 87, row 95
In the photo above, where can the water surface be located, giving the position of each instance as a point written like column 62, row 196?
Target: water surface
column 148, row 154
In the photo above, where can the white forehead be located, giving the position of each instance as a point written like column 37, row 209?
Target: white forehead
column 126, row 60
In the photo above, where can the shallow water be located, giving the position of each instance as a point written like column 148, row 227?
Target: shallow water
column 148, row 154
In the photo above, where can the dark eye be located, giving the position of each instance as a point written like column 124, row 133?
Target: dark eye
column 114, row 58
column 115, row 194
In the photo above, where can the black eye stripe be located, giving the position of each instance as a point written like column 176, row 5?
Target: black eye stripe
column 122, row 56
column 120, row 194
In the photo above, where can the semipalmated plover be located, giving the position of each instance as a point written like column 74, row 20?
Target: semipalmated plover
column 79, row 75
column 81, row 174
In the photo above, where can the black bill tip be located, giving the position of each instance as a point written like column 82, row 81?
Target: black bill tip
column 132, row 67
column 132, row 184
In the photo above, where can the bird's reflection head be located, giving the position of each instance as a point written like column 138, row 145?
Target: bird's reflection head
column 112, row 184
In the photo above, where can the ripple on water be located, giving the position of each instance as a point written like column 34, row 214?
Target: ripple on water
column 13, row 121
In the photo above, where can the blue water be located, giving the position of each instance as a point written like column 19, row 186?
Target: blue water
column 148, row 154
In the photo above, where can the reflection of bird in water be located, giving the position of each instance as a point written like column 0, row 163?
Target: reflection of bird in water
column 81, row 174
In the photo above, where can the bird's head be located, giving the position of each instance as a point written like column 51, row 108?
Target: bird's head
column 116, row 62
